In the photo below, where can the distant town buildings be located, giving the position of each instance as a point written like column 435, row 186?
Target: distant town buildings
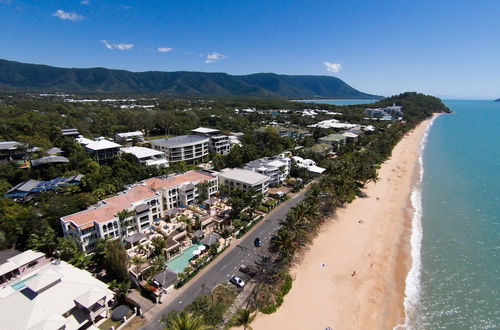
column 36, row 293
column 387, row 113
column 147, row 156
column 187, row 148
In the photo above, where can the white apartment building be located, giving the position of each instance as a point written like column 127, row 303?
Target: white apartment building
column 218, row 143
column 188, row 148
column 55, row 295
column 128, row 137
column 147, row 156
column 277, row 168
column 244, row 179
column 144, row 201
column 102, row 220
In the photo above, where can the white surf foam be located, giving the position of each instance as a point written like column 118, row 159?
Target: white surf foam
column 412, row 290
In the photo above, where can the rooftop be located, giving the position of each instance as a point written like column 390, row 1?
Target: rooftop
column 177, row 180
column 141, row 152
column 246, row 176
column 49, row 160
column 205, row 130
column 101, row 145
column 109, row 207
column 63, row 284
column 10, row 145
column 179, row 141
column 333, row 137
column 129, row 134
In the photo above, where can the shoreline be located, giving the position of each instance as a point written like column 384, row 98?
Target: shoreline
column 362, row 283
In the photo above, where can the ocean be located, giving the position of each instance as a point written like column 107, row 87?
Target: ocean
column 454, row 282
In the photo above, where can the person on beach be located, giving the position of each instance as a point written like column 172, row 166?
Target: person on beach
column 353, row 273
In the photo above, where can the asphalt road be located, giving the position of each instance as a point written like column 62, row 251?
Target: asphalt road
column 225, row 267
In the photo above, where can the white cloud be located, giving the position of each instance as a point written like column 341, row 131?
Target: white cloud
column 332, row 67
column 164, row 49
column 68, row 16
column 85, row 2
column 117, row 46
column 215, row 57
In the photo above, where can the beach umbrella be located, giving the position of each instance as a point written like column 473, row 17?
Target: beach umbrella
column 196, row 252
column 202, row 248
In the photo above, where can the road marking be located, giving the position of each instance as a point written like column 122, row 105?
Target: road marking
column 223, row 266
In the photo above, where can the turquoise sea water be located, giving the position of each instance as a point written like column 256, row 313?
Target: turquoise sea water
column 457, row 284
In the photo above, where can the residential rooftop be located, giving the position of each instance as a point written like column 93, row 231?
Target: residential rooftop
column 205, row 130
column 177, row 180
column 179, row 141
column 246, row 176
column 142, row 152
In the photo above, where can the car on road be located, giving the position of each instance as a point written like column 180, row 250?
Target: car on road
column 248, row 270
column 257, row 242
column 237, row 281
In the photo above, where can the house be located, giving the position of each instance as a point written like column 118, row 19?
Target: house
column 285, row 132
column 129, row 137
column 350, row 136
column 30, row 187
column 277, row 168
column 335, row 140
column 70, row 132
column 165, row 280
column 244, row 179
column 19, row 264
column 218, row 143
column 103, row 150
column 309, row 164
column 147, row 156
column 55, row 295
column 145, row 202
column 49, row 160
column 187, row 148
column 12, row 150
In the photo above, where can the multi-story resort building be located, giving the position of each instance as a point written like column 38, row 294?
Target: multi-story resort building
column 187, row 148
column 244, row 179
column 103, row 150
column 129, row 137
column 387, row 113
column 147, row 156
column 218, row 143
column 277, row 168
column 50, row 295
column 143, row 203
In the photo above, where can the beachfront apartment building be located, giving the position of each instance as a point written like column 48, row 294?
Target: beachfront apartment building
column 147, row 156
column 277, row 168
column 244, row 179
column 129, row 137
column 144, row 202
column 387, row 113
column 52, row 295
column 218, row 143
column 187, row 148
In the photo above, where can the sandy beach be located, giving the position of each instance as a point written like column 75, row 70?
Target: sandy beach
column 366, row 255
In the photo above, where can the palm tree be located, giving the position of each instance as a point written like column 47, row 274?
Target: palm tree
column 186, row 321
column 158, row 263
column 285, row 244
column 294, row 223
column 158, row 243
column 137, row 261
column 243, row 318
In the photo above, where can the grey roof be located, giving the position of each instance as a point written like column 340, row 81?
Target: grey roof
column 141, row 208
column 179, row 141
column 76, row 177
column 199, row 233
column 243, row 175
column 26, row 185
column 211, row 239
column 49, row 160
column 8, row 145
column 135, row 238
column 69, row 131
column 7, row 254
column 54, row 151
column 166, row 278
column 172, row 212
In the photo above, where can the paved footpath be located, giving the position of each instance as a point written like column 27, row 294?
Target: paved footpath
column 241, row 251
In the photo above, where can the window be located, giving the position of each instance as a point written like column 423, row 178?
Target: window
column 33, row 264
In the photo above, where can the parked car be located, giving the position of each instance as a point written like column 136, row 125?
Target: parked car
column 257, row 242
column 248, row 270
column 237, row 281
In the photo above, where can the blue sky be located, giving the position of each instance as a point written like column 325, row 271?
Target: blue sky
column 446, row 48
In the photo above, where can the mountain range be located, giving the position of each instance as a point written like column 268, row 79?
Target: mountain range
column 17, row 76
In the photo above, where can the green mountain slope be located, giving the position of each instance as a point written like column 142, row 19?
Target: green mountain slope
column 34, row 77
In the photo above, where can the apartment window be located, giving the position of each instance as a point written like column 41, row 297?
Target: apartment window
column 33, row 264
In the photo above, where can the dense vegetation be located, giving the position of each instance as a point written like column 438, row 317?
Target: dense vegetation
column 22, row 76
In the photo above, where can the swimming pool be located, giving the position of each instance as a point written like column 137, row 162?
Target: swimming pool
column 179, row 263
column 21, row 284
